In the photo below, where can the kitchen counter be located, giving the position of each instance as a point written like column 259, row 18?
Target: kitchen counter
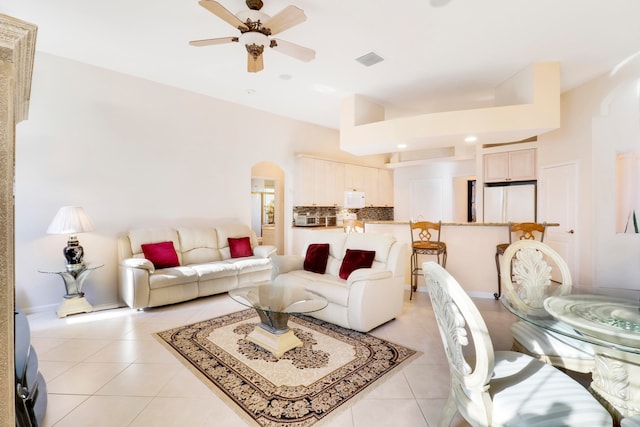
column 455, row 224
column 471, row 249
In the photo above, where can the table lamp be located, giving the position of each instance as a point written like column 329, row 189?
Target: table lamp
column 71, row 220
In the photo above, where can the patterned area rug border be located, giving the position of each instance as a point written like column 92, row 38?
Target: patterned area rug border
column 264, row 403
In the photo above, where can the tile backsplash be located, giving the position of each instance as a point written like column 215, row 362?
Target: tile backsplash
column 368, row 213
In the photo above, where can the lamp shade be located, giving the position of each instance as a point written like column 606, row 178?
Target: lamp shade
column 70, row 220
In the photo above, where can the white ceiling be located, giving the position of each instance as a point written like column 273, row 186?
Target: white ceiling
column 436, row 58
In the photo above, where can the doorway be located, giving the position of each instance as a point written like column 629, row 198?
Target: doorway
column 558, row 203
column 267, row 204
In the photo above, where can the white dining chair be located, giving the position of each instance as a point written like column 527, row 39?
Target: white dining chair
column 501, row 388
column 526, row 281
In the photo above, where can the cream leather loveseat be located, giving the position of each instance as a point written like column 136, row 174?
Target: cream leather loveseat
column 368, row 297
column 206, row 265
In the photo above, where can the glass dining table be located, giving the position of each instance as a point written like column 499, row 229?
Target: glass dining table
column 609, row 320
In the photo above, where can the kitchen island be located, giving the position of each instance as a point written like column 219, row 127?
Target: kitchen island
column 471, row 249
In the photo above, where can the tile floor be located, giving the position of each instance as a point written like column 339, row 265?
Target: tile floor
column 107, row 369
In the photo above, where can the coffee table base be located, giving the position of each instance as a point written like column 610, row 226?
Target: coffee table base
column 277, row 344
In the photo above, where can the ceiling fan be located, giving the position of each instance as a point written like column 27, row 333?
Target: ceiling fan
column 256, row 28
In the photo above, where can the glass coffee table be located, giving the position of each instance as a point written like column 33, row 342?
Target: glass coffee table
column 274, row 304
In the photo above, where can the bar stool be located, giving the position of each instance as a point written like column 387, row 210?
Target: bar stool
column 526, row 230
column 353, row 226
column 422, row 243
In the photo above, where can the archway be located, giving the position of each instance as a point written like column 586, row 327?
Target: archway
column 267, row 193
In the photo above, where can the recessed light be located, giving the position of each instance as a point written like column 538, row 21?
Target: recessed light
column 401, row 146
column 471, row 138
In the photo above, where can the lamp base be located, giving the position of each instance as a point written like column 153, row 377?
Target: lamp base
column 74, row 268
column 74, row 254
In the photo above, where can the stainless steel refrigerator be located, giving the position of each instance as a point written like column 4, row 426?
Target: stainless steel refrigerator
column 512, row 202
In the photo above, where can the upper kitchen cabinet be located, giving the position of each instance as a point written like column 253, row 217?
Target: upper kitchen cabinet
column 334, row 183
column 385, row 187
column 318, row 182
column 519, row 165
column 322, row 182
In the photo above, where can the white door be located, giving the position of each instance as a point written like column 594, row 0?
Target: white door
column 558, row 204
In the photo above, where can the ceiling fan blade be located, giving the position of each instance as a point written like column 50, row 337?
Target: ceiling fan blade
column 222, row 13
column 294, row 50
column 285, row 19
column 209, row 42
column 254, row 64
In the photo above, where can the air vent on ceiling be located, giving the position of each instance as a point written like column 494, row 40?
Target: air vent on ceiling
column 369, row 59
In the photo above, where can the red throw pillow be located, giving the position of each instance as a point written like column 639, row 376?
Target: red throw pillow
column 354, row 259
column 240, row 247
column 162, row 255
column 316, row 258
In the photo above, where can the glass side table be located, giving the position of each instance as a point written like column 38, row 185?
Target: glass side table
column 74, row 301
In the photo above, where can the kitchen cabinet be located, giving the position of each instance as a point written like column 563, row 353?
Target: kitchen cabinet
column 518, row 165
column 385, row 187
column 323, row 183
column 305, row 186
column 318, row 182
column 354, row 177
column 334, row 183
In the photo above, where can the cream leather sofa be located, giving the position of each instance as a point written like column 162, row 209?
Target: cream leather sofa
column 369, row 297
column 206, row 266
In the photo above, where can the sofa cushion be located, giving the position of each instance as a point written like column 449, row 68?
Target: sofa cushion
column 161, row 254
column 240, row 247
column 214, row 270
column 153, row 235
column 316, row 258
column 233, row 230
column 172, row 276
column 354, row 259
column 380, row 243
column 333, row 289
column 199, row 245
column 250, row 264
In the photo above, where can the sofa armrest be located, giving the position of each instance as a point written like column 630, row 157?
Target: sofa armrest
column 285, row 263
column 133, row 281
column 373, row 301
column 138, row 263
column 368, row 274
column 264, row 251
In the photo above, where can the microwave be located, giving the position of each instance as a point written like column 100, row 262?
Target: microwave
column 310, row 221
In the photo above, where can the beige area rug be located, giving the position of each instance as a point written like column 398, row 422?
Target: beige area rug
column 305, row 386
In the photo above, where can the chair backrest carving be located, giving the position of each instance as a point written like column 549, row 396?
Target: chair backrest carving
column 422, row 231
column 526, row 230
column 458, row 319
column 526, row 275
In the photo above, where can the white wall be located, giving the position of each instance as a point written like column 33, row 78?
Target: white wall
column 135, row 154
column 413, row 176
column 599, row 119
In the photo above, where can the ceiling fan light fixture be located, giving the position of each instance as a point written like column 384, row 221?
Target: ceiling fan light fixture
column 254, row 42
